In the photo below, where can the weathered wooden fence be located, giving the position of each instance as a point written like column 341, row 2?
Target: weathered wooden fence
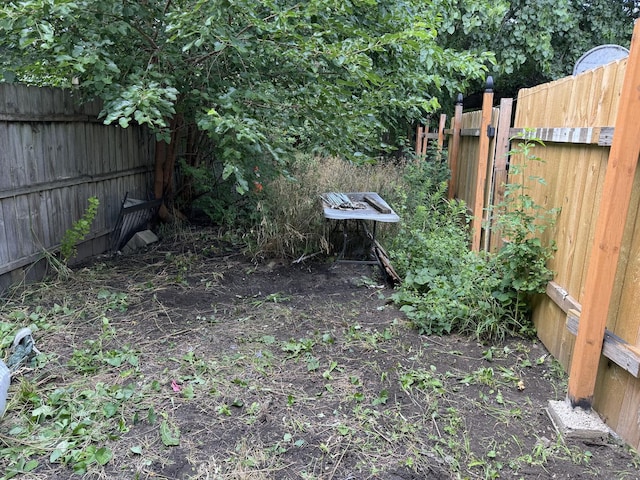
column 580, row 122
column 54, row 155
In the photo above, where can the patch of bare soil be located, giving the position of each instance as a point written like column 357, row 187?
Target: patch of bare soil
column 278, row 371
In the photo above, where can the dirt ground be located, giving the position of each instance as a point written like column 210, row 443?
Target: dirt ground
column 274, row 370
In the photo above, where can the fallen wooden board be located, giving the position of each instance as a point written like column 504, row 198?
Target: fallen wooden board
column 383, row 258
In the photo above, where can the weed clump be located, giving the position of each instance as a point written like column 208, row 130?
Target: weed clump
column 446, row 287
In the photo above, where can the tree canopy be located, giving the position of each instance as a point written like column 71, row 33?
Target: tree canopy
column 259, row 77
column 253, row 81
column 536, row 41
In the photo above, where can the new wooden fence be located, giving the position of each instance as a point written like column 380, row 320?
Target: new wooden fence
column 583, row 110
column 54, row 155
column 591, row 145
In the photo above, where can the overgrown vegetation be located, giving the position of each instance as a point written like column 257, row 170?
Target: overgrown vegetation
column 446, row 287
column 228, row 86
column 521, row 263
column 231, row 86
column 289, row 221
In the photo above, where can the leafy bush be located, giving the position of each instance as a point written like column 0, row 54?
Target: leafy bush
column 446, row 287
column 521, row 263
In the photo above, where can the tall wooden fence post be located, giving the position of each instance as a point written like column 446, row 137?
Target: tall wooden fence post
column 483, row 156
column 614, row 206
column 419, row 135
column 500, row 163
column 456, row 126
column 441, row 126
column 425, row 140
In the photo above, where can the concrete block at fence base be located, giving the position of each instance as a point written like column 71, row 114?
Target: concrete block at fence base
column 140, row 240
column 577, row 423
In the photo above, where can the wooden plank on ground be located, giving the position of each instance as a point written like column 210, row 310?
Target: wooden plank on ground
column 383, row 258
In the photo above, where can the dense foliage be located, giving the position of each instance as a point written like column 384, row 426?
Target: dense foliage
column 535, row 42
column 448, row 288
column 237, row 85
column 234, row 87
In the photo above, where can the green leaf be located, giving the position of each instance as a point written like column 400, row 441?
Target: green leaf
column 187, row 392
column 109, row 409
column 103, row 455
column 268, row 339
column 152, row 417
column 44, row 411
column 170, row 437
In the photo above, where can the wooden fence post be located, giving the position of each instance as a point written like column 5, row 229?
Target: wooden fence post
column 454, row 149
column 614, row 206
column 443, row 123
column 419, row 131
column 483, row 154
column 500, row 163
column 425, row 140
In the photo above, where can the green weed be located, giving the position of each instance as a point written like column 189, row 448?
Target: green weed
column 446, row 287
column 78, row 231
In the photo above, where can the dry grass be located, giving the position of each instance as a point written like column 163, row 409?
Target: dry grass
column 291, row 223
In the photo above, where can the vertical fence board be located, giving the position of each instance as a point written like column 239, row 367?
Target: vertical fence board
column 6, row 159
column 500, row 162
column 489, row 184
column 454, row 149
column 11, row 229
column 441, row 126
column 4, row 238
column 468, row 159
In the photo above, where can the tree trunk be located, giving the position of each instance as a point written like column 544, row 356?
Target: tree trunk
column 165, row 160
